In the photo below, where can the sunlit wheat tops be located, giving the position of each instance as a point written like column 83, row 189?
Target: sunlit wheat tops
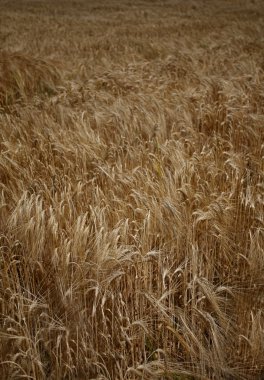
column 131, row 190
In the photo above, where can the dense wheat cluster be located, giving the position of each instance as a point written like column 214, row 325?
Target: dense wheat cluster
column 131, row 189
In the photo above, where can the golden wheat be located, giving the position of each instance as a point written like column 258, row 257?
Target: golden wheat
column 131, row 190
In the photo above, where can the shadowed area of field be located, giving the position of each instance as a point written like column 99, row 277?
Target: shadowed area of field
column 131, row 190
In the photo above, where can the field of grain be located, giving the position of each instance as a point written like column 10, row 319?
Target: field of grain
column 131, row 189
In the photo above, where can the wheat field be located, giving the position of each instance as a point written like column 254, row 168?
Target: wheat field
column 131, row 189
